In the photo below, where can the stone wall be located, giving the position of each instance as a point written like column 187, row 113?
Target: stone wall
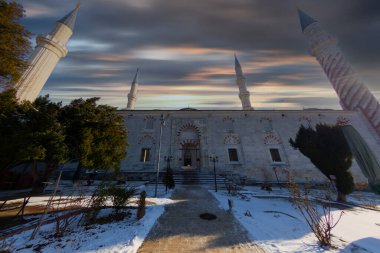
column 251, row 133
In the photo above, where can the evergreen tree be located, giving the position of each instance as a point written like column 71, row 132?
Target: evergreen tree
column 95, row 134
column 44, row 138
column 12, row 125
column 14, row 43
column 328, row 150
column 30, row 132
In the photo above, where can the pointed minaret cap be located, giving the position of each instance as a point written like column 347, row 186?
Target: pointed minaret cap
column 136, row 78
column 237, row 64
column 69, row 19
column 305, row 19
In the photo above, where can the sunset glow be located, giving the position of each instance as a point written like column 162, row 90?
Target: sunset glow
column 185, row 52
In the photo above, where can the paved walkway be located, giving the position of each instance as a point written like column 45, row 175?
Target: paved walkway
column 180, row 229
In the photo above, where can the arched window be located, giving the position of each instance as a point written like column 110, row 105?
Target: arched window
column 228, row 124
column 149, row 122
column 267, row 124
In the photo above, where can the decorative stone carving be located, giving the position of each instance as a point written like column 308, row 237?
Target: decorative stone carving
column 189, row 125
column 271, row 138
column 342, row 121
column 304, row 119
column 231, row 139
column 228, row 118
column 148, row 117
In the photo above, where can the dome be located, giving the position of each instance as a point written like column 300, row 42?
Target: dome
column 188, row 109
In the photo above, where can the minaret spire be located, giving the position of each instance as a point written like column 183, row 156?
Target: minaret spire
column 49, row 50
column 353, row 94
column 305, row 19
column 132, row 96
column 240, row 82
column 70, row 18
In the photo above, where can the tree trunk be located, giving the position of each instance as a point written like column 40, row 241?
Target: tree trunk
column 37, row 186
column 76, row 176
column 341, row 197
column 34, row 171
column 49, row 168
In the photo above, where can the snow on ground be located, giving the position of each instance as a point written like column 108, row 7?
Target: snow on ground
column 122, row 236
column 67, row 191
column 277, row 226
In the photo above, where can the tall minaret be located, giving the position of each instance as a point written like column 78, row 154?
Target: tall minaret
column 353, row 94
column 132, row 96
column 243, row 92
column 49, row 50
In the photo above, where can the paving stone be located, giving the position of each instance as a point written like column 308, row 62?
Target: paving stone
column 180, row 229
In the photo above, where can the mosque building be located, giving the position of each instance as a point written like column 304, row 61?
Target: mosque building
column 252, row 144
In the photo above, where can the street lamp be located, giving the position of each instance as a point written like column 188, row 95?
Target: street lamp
column 159, row 153
column 214, row 159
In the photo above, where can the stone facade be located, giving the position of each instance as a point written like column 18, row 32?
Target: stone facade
column 242, row 140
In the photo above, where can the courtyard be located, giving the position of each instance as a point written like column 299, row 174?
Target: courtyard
column 249, row 219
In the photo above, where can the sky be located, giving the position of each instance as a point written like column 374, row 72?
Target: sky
column 185, row 51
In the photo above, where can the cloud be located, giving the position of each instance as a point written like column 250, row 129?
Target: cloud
column 187, row 47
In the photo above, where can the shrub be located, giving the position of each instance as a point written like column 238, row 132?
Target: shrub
column 344, row 182
column 64, row 211
column 168, row 179
column 96, row 203
column 119, row 196
column 316, row 212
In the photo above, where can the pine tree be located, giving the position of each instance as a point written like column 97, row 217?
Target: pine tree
column 328, row 150
column 44, row 138
column 95, row 135
column 12, row 119
column 30, row 132
column 14, row 43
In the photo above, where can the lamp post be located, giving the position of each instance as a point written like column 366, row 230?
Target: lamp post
column 214, row 159
column 159, row 153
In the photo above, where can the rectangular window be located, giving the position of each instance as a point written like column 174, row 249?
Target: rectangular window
column 275, row 155
column 145, row 155
column 232, row 153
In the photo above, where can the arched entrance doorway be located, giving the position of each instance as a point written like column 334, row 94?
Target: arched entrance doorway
column 190, row 147
column 190, row 156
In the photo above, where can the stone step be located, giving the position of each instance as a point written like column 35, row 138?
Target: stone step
column 196, row 178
